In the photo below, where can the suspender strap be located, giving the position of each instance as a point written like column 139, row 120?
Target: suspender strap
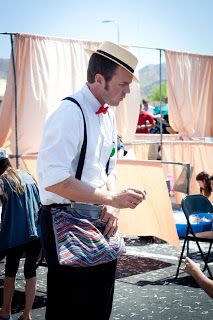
column 84, row 145
column 107, row 166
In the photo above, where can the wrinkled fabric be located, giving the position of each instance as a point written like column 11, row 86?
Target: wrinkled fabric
column 189, row 89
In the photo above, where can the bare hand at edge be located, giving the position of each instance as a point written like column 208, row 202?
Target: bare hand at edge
column 129, row 198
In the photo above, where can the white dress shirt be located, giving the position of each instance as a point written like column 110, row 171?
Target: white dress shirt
column 62, row 141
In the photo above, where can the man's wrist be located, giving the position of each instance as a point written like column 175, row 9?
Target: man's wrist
column 107, row 198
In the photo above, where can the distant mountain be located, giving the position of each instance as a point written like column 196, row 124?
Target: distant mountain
column 149, row 77
column 4, row 64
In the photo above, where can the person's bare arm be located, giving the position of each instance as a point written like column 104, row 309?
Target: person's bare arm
column 77, row 190
column 146, row 126
column 194, row 270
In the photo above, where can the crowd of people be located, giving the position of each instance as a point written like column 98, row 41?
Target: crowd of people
column 154, row 119
column 74, row 216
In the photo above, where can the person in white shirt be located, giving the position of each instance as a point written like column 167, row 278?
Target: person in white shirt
column 147, row 107
column 85, row 292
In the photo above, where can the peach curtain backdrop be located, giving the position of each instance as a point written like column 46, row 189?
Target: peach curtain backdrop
column 47, row 70
column 189, row 86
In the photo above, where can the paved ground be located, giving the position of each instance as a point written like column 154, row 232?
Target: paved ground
column 145, row 287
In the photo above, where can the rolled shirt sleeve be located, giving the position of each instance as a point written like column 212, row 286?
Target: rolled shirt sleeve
column 62, row 140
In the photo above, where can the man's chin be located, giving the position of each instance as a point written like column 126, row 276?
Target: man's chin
column 118, row 102
column 115, row 104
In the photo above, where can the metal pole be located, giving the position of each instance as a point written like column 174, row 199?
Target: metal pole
column 188, row 173
column 118, row 32
column 15, row 101
column 161, row 124
column 117, row 27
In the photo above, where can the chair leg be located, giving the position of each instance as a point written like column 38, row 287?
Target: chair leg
column 187, row 248
column 180, row 259
column 207, row 256
column 204, row 260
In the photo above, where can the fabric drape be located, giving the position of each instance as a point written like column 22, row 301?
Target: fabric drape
column 189, row 88
column 47, row 70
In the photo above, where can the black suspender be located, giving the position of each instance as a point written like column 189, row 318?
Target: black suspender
column 84, row 145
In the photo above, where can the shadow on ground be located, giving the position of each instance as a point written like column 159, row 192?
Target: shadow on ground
column 182, row 281
column 18, row 301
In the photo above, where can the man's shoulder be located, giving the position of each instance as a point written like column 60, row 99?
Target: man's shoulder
column 63, row 107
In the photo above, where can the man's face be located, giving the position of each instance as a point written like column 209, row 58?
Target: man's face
column 115, row 90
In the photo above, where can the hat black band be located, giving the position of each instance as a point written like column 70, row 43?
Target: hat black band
column 116, row 59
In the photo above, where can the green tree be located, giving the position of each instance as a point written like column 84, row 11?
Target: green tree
column 155, row 94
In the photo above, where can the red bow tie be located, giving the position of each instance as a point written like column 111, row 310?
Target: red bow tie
column 102, row 109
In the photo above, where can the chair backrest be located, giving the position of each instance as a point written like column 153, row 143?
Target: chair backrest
column 196, row 203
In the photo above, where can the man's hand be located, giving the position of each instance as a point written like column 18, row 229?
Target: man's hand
column 110, row 215
column 129, row 198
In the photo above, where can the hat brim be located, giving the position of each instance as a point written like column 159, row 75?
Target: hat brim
column 90, row 52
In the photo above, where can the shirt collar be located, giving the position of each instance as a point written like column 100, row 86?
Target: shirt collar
column 93, row 101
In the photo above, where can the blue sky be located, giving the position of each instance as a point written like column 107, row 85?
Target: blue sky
column 182, row 25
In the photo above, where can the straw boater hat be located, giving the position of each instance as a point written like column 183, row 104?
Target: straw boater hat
column 119, row 55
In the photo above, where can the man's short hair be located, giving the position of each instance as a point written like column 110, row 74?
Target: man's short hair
column 101, row 65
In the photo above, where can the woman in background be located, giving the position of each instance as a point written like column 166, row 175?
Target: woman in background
column 204, row 182
column 18, row 234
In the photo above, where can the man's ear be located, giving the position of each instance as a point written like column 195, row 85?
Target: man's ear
column 99, row 79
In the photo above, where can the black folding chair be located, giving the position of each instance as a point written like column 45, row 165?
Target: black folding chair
column 195, row 204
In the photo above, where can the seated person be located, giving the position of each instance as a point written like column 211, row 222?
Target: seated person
column 145, row 122
column 147, row 107
column 161, row 115
column 163, row 109
column 204, row 182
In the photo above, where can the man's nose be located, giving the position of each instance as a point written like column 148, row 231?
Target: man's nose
column 127, row 89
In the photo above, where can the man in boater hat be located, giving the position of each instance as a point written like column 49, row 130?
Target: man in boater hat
column 76, row 171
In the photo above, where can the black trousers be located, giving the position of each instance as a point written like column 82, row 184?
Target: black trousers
column 75, row 293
